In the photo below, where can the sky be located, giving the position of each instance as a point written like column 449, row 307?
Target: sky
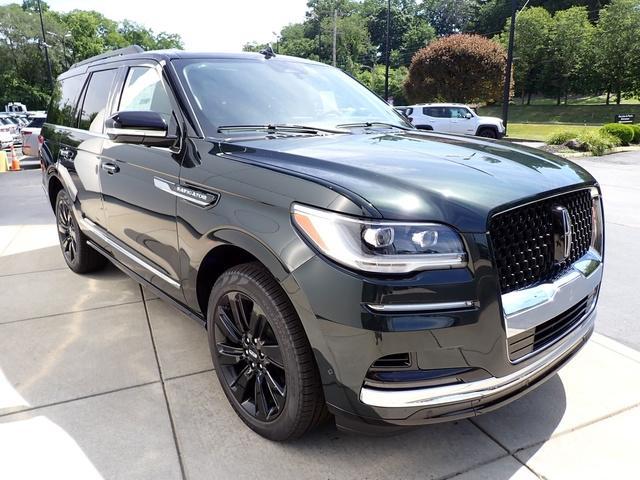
column 213, row 25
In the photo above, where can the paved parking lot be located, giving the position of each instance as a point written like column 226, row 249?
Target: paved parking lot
column 98, row 379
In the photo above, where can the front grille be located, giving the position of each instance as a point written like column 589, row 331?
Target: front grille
column 522, row 240
column 547, row 332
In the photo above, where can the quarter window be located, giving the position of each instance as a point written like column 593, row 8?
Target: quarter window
column 143, row 91
column 96, row 101
column 62, row 110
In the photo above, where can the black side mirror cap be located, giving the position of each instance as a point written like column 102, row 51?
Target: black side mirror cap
column 139, row 127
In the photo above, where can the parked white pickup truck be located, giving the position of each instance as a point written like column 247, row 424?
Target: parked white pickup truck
column 453, row 118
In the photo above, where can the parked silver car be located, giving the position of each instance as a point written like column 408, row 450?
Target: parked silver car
column 31, row 136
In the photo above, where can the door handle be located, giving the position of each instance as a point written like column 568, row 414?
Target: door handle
column 110, row 168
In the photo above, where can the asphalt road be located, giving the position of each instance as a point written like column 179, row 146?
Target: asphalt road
column 619, row 308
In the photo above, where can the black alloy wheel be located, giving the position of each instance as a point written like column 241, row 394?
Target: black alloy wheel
column 262, row 356
column 78, row 255
column 67, row 231
column 249, row 356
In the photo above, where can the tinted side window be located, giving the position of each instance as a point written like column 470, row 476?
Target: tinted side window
column 36, row 122
column 62, row 109
column 437, row 112
column 95, row 101
column 143, row 91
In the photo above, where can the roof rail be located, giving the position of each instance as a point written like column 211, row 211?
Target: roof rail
column 109, row 54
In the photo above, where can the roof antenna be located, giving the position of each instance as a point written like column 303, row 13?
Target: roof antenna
column 268, row 52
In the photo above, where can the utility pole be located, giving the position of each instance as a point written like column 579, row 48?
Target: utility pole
column 44, row 44
column 386, row 53
column 335, row 34
column 507, row 74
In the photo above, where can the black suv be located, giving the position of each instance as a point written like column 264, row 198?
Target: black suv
column 342, row 261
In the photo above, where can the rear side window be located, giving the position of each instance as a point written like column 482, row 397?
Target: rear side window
column 437, row 112
column 36, row 122
column 96, row 99
column 62, row 110
column 143, row 91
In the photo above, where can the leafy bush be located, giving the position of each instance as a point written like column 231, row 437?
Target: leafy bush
column 598, row 143
column 624, row 132
column 636, row 133
column 457, row 68
column 560, row 137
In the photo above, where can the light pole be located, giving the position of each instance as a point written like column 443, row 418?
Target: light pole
column 64, row 46
column 506, row 94
column 44, row 44
column 386, row 54
column 277, row 40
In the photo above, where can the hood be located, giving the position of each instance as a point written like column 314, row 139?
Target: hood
column 419, row 176
column 491, row 120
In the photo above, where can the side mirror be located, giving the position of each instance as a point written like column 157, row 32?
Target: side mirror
column 468, row 116
column 140, row 128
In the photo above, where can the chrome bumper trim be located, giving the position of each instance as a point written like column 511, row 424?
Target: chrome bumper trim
column 525, row 309
column 95, row 229
column 476, row 391
column 421, row 307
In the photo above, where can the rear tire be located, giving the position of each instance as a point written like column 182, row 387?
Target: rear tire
column 78, row 255
column 261, row 354
column 487, row 133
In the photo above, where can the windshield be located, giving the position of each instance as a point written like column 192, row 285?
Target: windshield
column 226, row 92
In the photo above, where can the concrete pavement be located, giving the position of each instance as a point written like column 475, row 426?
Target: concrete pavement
column 100, row 380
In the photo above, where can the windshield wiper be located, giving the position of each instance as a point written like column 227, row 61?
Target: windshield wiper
column 276, row 128
column 373, row 124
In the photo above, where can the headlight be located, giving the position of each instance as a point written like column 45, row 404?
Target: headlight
column 380, row 246
column 597, row 226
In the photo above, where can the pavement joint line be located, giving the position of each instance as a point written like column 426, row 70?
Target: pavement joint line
column 10, row 322
column 177, row 377
column 578, row 427
column 11, row 241
column 32, row 271
column 491, row 437
column 76, row 399
column 164, row 389
column 616, row 347
column 472, row 468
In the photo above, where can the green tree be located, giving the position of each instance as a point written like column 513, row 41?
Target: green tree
column 373, row 78
column 459, row 68
column 532, row 40
column 447, row 16
column 618, row 52
column 570, row 38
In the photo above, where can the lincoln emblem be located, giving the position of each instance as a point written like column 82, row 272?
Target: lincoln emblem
column 562, row 236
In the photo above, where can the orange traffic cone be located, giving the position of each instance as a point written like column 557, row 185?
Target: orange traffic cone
column 15, row 163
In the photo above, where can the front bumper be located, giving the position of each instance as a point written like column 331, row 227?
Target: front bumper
column 487, row 390
column 467, row 328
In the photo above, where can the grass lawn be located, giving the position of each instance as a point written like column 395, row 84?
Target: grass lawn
column 573, row 114
column 541, row 131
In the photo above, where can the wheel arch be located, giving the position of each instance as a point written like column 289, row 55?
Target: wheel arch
column 234, row 248
column 53, row 187
column 487, row 127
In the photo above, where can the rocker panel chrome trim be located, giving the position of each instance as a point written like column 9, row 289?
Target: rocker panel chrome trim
column 95, row 229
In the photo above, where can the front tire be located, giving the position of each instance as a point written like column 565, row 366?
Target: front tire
column 261, row 354
column 78, row 255
column 488, row 133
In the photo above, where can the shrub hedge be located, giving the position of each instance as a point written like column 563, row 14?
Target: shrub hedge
column 625, row 133
column 636, row 133
column 560, row 137
column 598, row 143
